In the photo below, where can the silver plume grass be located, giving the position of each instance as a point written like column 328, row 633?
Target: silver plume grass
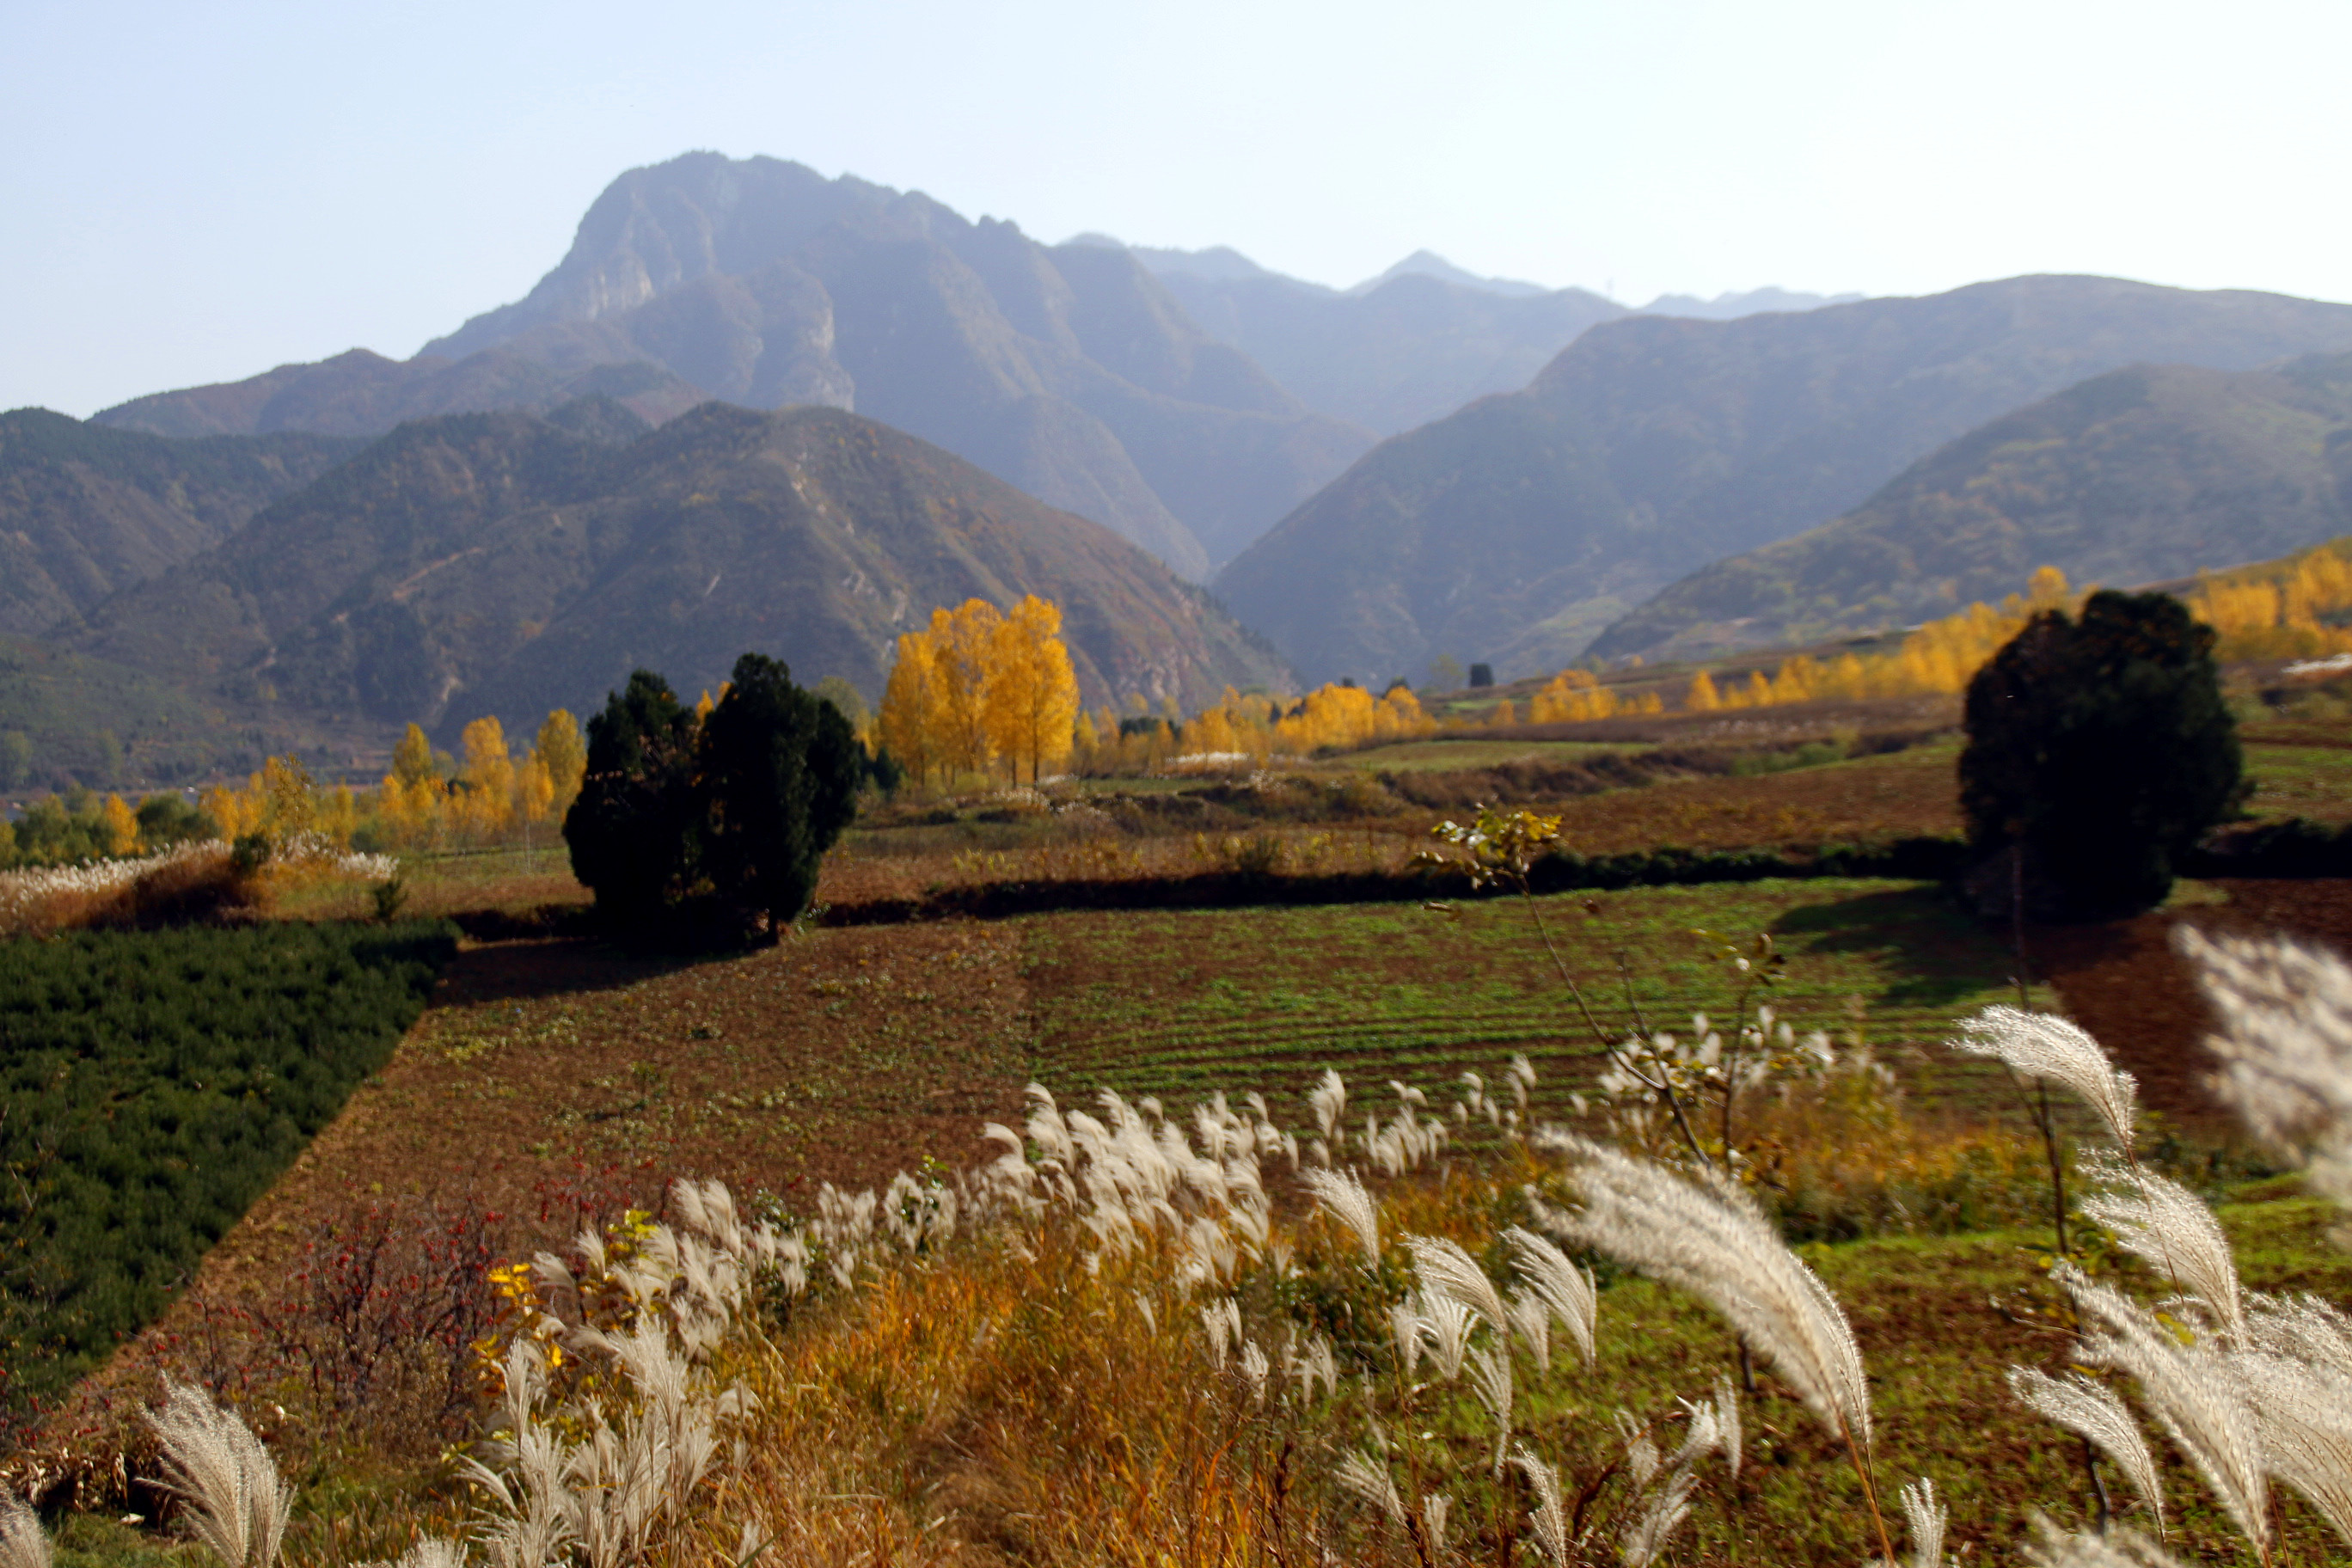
column 236, row 1502
column 2053, row 1548
column 22, row 1545
column 1712, row 1241
column 1343, row 1197
column 1445, row 1269
column 2303, row 1414
column 2039, row 1045
column 2090, row 1410
column 1926, row 1518
column 2170, row 1228
column 2194, row 1394
column 1547, row 1519
column 1559, row 1283
column 2286, row 1044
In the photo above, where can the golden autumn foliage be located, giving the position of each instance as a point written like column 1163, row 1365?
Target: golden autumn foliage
column 493, row 793
column 977, row 687
column 2295, row 608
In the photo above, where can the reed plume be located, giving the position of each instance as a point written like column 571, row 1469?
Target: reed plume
column 22, row 1545
column 2286, row 1044
column 2055, row 1548
column 1926, row 1518
column 1445, row 1270
column 2038, row 1046
column 1711, row 1240
column 1549, row 1520
column 238, row 1503
column 2193, row 1391
column 1343, row 1197
column 2091, row 1411
column 1558, row 1284
column 2303, row 1414
column 2170, row 1228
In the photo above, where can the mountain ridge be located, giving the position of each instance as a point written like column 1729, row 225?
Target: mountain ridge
column 1517, row 529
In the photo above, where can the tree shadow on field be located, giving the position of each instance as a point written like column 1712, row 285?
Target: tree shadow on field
column 547, row 966
column 1946, row 956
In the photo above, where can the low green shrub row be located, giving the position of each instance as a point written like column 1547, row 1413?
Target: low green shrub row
column 152, row 1085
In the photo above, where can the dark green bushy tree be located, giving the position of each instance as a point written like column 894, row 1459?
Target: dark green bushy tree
column 780, row 774
column 713, row 831
column 632, row 827
column 2101, row 749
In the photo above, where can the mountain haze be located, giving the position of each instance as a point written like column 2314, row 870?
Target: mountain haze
column 1519, row 528
column 1068, row 371
column 504, row 563
column 2142, row 474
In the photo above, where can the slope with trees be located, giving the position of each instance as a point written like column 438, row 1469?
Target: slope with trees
column 85, row 510
column 2140, row 474
column 1517, row 529
column 498, row 564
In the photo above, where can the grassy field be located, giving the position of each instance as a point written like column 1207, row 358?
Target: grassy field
column 1450, row 752
column 1186, row 1003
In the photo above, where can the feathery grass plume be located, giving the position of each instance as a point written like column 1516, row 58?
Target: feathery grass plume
column 1369, row 1479
column 1434, row 1511
column 1667, row 1507
column 1445, row 1269
column 2286, row 1044
column 1926, row 1518
column 1446, row 1326
column 2055, row 1548
column 1727, row 1422
column 1560, row 1284
column 1223, row 1321
column 1255, row 1370
column 2193, row 1393
column 2303, row 1414
column 1522, row 1074
column 2170, row 1228
column 2090, row 1410
column 2039, row 1045
column 1712, row 1241
column 1329, row 1101
column 1404, row 1322
column 1531, row 1321
column 1490, row 1380
column 431, row 1553
column 1344, row 1197
column 2301, row 1328
column 238, row 1503
column 22, row 1545
column 1548, row 1518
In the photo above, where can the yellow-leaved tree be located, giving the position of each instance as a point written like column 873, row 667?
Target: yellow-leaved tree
column 120, row 826
column 488, row 776
column 913, row 718
column 1031, row 696
column 565, row 757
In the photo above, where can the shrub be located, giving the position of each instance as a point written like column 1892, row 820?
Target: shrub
column 708, row 831
column 2101, row 750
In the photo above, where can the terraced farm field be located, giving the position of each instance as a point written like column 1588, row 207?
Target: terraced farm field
column 1182, row 1004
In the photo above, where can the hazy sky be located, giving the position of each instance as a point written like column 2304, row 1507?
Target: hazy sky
column 197, row 191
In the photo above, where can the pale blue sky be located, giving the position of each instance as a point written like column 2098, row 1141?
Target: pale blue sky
column 195, row 192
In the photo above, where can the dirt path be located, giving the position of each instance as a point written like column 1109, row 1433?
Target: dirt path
column 2123, row 982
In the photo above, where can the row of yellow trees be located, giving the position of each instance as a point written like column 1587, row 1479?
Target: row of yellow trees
column 2281, row 610
column 490, row 792
column 979, row 687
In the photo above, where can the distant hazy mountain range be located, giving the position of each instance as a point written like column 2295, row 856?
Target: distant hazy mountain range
column 1412, row 344
column 505, row 564
column 2138, row 476
column 1069, row 372
column 1520, row 528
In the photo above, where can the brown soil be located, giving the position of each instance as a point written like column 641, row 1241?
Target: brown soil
column 2123, row 981
column 1905, row 795
column 547, row 1074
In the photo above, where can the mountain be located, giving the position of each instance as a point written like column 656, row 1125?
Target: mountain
column 1752, row 302
column 503, row 563
column 2144, row 473
column 1069, row 372
column 87, row 511
column 1429, row 264
column 1411, row 346
column 1517, row 529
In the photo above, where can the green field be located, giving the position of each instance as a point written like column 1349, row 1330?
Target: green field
column 154, row 1084
column 1185, row 1003
column 1413, row 756
column 2313, row 782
